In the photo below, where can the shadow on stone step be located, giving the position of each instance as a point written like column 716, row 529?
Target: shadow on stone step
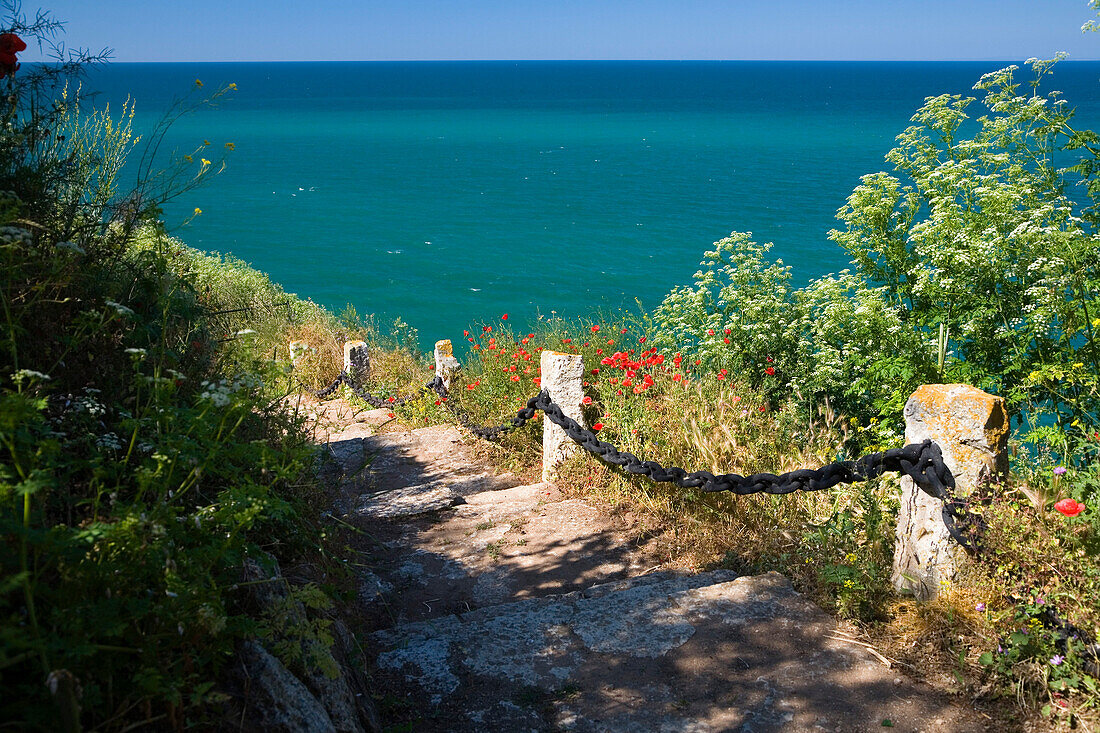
column 701, row 653
column 434, row 576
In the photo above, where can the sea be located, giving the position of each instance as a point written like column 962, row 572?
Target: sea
column 450, row 193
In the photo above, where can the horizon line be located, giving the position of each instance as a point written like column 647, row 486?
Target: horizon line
column 593, row 60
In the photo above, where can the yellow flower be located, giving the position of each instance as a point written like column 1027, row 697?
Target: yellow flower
column 205, row 142
column 230, row 146
column 198, row 83
column 205, row 161
column 197, row 211
column 188, row 158
column 233, row 85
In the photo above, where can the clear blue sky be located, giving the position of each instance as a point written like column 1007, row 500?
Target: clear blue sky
column 282, row 30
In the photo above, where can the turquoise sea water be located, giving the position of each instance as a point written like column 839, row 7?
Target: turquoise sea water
column 449, row 193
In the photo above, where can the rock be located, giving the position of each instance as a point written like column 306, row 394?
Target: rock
column 321, row 673
column 372, row 589
column 350, row 656
column 325, row 679
column 277, row 701
column 971, row 428
column 663, row 652
column 407, row 502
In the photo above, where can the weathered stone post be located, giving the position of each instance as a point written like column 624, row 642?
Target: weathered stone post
column 445, row 362
column 298, row 350
column 971, row 429
column 561, row 376
column 356, row 361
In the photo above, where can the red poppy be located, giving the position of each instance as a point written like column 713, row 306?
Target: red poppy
column 641, row 340
column 465, row 333
column 597, row 427
column 504, row 317
column 710, row 332
column 727, row 332
column 10, row 44
column 391, row 415
column 595, row 329
column 1070, row 507
column 586, row 401
column 769, row 371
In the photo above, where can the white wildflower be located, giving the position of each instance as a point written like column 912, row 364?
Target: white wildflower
column 108, row 441
column 15, row 235
column 120, row 309
column 70, row 247
column 28, row 374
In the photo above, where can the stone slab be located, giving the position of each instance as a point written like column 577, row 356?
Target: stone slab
column 707, row 652
column 407, row 502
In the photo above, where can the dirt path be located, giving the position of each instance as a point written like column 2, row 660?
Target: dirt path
column 492, row 605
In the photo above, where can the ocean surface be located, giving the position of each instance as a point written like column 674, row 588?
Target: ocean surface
column 449, row 193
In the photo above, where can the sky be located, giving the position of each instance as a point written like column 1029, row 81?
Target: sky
column 367, row 30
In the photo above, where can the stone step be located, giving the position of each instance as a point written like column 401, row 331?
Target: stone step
column 661, row 652
column 498, row 546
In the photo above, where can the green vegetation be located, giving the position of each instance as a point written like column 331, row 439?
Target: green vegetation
column 146, row 448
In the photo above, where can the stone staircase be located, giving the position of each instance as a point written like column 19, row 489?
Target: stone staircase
column 491, row 605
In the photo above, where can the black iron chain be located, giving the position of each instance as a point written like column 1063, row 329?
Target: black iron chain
column 922, row 462
column 366, row 396
column 488, row 432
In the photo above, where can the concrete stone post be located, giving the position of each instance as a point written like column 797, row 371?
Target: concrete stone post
column 971, row 429
column 562, row 376
column 357, row 361
column 298, row 351
column 445, row 362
